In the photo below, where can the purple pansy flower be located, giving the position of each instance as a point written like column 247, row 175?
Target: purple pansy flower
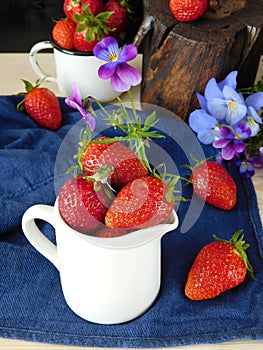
column 122, row 75
column 246, row 169
column 245, row 166
column 231, row 141
column 76, row 103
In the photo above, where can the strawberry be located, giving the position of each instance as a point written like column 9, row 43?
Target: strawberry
column 81, row 207
column 80, row 42
column 72, row 7
column 124, row 164
column 90, row 29
column 118, row 20
column 63, row 33
column 107, row 232
column 139, row 204
column 212, row 183
column 218, row 267
column 188, row 10
column 42, row 105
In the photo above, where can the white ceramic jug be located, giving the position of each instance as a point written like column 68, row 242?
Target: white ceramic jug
column 104, row 280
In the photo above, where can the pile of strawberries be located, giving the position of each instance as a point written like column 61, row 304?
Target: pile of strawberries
column 88, row 21
column 114, row 193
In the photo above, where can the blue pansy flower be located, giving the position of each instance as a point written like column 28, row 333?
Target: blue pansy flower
column 205, row 125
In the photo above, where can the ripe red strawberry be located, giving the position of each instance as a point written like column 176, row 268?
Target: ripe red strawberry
column 218, row 267
column 108, row 232
column 81, row 207
column 42, row 106
column 80, row 42
column 124, row 164
column 63, row 33
column 188, row 10
column 139, row 204
column 72, row 7
column 212, row 183
column 118, row 20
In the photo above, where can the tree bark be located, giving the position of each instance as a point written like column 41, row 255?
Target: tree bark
column 179, row 58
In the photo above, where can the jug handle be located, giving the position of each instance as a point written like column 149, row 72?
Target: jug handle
column 38, row 240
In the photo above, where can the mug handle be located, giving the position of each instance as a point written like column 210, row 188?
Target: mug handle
column 38, row 240
column 42, row 45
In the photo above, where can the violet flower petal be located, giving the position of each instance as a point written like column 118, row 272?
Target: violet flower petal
column 207, row 136
column 236, row 108
column 243, row 131
column 217, row 107
column 226, row 132
column 76, row 93
column 200, row 120
column 212, row 90
column 119, row 85
column 90, row 120
column 228, row 152
column 107, row 70
column 221, row 143
column 128, row 53
column 239, row 146
column 128, row 74
column 72, row 103
column 255, row 100
column 105, row 48
column 202, row 101
column 230, row 80
column 246, row 169
column 252, row 112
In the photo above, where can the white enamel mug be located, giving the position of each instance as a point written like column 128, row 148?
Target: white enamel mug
column 74, row 67
column 104, row 280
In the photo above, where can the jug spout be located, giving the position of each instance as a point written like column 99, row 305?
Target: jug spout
column 139, row 237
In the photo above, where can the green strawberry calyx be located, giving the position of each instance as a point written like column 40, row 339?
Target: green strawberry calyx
column 126, row 5
column 96, row 25
column 28, row 87
column 240, row 246
column 170, row 180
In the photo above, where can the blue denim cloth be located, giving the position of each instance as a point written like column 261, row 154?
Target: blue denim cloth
column 32, row 305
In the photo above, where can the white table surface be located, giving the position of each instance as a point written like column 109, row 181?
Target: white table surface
column 13, row 68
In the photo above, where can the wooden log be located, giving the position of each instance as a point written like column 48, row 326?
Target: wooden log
column 179, row 58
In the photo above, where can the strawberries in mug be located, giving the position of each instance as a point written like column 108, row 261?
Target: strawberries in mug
column 139, row 204
column 81, row 206
column 118, row 20
column 63, row 34
column 124, row 164
column 73, row 7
